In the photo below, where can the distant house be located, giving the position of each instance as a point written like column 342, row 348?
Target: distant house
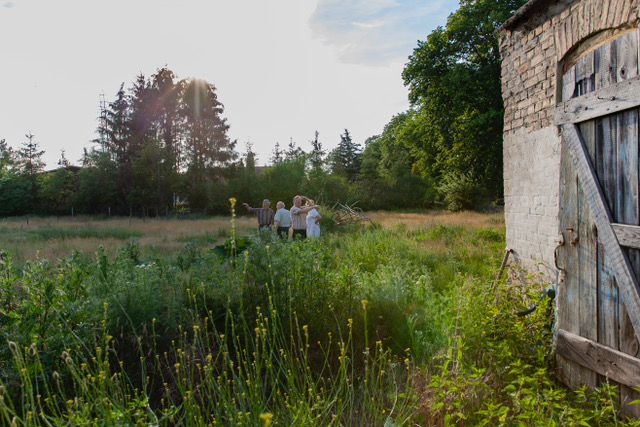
column 571, row 89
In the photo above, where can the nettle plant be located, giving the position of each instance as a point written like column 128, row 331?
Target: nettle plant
column 497, row 368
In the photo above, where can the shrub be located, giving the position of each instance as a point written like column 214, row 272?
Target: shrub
column 497, row 368
column 460, row 191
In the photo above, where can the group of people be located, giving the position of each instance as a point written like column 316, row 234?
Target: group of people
column 304, row 221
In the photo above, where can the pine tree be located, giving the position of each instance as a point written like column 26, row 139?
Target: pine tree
column 346, row 158
column 30, row 157
column 208, row 149
column 276, row 155
column 316, row 157
column 30, row 165
column 117, row 127
column 165, row 93
column 63, row 162
column 293, row 152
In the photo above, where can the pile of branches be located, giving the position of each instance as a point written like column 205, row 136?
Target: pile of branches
column 345, row 214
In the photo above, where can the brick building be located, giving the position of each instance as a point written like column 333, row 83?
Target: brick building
column 571, row 91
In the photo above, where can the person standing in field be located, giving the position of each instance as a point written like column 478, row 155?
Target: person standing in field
column 299, row 217
column 282, row 220
column 264, row 214
column 313, row 221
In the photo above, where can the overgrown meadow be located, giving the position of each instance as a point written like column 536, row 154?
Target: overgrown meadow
column 393, row 322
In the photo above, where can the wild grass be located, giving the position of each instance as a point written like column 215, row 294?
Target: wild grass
column 412, row 220
column 395, row 324
column 56, row 238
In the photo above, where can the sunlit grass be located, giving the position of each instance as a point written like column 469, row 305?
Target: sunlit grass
column 165, row 236
column 412, row 221
column 57, row 237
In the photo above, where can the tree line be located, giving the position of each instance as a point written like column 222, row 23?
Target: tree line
column 163, row 143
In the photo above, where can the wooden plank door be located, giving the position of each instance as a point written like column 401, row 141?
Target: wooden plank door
column 599, row 299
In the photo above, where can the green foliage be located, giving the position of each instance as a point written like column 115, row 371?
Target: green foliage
column 230, row 248
column 454, row 83
column 365, row 327
column 57, row 190
column 391, row 174
column 7, row 158
column 345, row 159
column 245, row 184
column 460, row 191
column 15, row 198
column 152, row 177
column 284, row 180
column 97, row 185
column 41, row 309
column 496, row 369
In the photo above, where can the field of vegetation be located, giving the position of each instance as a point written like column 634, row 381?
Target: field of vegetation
column 396, row 322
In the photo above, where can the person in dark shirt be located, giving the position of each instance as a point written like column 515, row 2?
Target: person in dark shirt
column 264, row 214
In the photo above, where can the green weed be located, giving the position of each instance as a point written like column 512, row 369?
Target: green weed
column 362, row 327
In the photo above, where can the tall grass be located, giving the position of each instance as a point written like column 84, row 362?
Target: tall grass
column 56, row 238
column 387, row 325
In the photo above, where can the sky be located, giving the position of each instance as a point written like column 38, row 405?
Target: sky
column 283, row 69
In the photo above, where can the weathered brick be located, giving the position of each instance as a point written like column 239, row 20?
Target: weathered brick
column 524, row 67
column 530, row 63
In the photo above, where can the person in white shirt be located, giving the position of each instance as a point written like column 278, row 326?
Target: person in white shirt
column 282, row 220
column 313, row 221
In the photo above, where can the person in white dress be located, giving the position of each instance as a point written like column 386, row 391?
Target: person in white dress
column 313, row 221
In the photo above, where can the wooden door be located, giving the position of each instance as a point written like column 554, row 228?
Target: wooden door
column 599, row 299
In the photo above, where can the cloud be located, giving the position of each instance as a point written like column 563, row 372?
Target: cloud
column 8, row 5
column 377, row 32
column 374, row 24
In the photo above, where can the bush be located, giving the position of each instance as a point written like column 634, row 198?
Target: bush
column 460, row 191
column 497, row 368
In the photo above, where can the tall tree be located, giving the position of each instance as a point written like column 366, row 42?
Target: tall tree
column 169, row 129
column 346, row 157
column 207, row 146
column 14, row 190
column 166, row 95
column 454, row 82
column 142, row 106
column 30, row 165
column 390, row 176
column 276, row 155
column 97, row 184
column 7, row 157
column 316, row 156
column 30, row 156
column 151, row 172
column 293, row 151
column 117, row 127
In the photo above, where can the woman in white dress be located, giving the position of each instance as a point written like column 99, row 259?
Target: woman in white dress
column 313, row 220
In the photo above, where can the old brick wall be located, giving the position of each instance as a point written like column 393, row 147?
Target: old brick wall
column 534, row 46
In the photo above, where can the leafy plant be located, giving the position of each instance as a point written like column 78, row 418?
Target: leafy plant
column 459, row 191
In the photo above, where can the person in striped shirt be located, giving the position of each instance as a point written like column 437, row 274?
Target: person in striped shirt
column 299, row 216
column 265, row 214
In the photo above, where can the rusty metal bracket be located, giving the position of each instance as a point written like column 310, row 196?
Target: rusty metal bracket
column 555, row 252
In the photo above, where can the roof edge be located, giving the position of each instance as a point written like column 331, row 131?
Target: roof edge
column 529, row 9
